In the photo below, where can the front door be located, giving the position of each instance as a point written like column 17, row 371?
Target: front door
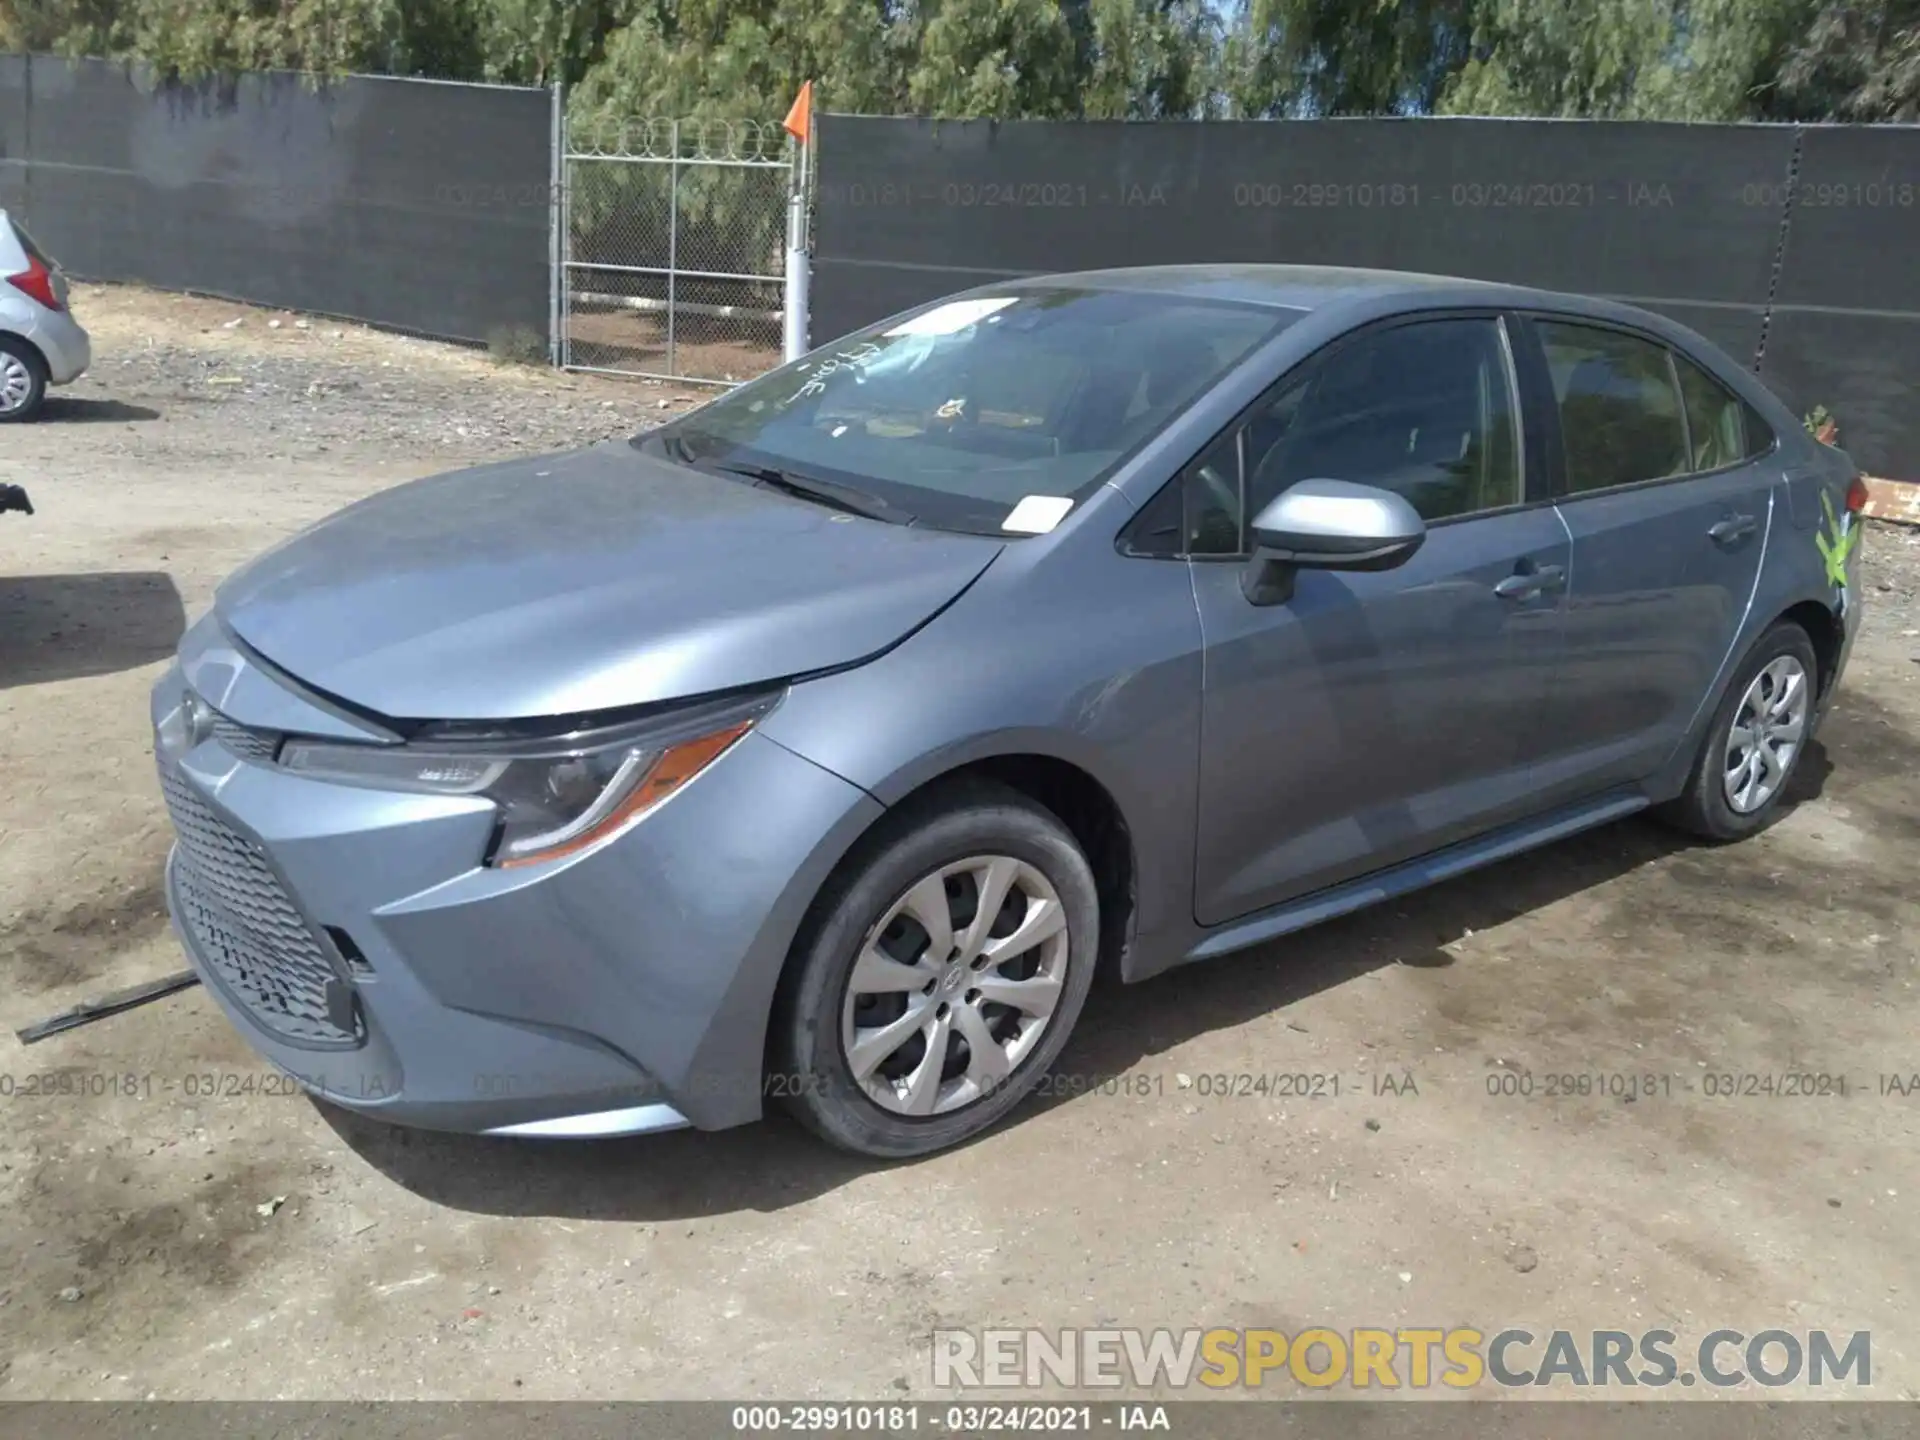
column 1375, row 716
column 1669, row 484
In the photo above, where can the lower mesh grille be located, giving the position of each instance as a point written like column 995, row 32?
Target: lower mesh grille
column 247, row 927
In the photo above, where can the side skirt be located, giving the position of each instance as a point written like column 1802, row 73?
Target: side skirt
column 1343, row 899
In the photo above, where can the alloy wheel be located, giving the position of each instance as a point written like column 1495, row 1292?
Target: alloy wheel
column 955, row 985
column 1767, row 732
column 16, row 382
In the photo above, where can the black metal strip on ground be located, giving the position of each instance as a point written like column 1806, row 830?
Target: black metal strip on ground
column 87, row 1011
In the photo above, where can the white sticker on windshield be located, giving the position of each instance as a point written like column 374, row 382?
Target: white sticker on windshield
column 952, row 317
column 1037, row 514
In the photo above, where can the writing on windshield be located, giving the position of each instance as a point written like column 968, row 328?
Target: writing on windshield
column 834, row 364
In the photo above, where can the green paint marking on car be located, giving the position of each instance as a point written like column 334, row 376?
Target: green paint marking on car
column 1837, row 548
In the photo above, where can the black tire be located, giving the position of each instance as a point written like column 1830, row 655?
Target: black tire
column 810, row 1071
column 1703, row 809
column 36, row 367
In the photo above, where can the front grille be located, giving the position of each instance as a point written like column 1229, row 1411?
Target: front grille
column 247, row 926
column 245, row 741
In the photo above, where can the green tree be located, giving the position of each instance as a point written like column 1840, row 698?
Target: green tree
column 194, row 38
column 1326, row 57
column 1146, row 59
column 1624, row 59
column 536, row 42
column 72, row 27
column 715, row 58
column 1002, row 59
column 1108, row 59
column 1853, row 60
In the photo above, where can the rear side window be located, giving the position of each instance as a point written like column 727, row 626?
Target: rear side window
column 1620, row 408
column 1722, row 428
column 1716, row 420
column 1760, row 436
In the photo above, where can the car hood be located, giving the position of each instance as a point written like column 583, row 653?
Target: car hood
column 597, row 580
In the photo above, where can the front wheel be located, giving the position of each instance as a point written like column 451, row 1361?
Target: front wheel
column 1755, row 740
column 948, row 965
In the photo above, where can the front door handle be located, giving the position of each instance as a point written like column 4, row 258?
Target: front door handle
column 1525, row 584
column 1734, row 527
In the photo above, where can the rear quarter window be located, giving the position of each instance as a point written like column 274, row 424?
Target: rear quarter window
column 1724, row 428
column 1759, row 434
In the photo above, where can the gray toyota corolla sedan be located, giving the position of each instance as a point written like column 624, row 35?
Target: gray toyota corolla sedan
column 819, row 745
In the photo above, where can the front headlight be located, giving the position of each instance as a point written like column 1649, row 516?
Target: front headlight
column 556, row 797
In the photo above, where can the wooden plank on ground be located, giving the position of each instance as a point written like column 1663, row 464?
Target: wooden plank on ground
column 1895, row 500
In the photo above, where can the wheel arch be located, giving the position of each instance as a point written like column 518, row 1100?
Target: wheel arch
column 1825, row 629
column 7, row 332
column 1070, row 791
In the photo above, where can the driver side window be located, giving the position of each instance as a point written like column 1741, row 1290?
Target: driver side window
column 1425, row 410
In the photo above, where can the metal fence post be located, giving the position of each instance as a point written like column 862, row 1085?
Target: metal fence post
column 556, row 231
column 673, row 234
column 794, row 304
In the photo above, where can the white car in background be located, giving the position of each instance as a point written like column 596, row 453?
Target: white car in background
column 41, row 344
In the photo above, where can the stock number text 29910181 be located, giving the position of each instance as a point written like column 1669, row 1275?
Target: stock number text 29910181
column 906, row 1417
column 1661, row 1085
column 1008, row 194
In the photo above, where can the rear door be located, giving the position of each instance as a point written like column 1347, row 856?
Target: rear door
column 1665, row 481
column 1373, row 717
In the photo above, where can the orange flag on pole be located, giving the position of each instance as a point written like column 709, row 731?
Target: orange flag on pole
column 799, row 121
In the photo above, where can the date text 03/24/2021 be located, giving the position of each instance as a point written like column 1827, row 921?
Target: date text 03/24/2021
column 907, row 1417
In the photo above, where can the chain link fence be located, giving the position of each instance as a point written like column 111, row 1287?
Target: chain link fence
column 674, row 237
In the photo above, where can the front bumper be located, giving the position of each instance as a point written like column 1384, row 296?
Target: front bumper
column 624, row 990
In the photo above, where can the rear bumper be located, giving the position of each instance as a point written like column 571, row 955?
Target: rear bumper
column 1849, row 629
column 66, row 346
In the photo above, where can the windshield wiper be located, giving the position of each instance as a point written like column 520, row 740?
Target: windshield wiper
column 821, row 492
column 843, row 498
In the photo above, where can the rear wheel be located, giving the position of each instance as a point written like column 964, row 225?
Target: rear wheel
column 1755, row 740
column 23, row 380
column 943, row 978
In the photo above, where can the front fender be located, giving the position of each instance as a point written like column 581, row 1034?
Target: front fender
column 1097, row 664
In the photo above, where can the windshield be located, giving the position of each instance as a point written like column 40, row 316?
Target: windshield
column 963, row 410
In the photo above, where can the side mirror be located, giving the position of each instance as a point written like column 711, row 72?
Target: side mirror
column 1328, row 525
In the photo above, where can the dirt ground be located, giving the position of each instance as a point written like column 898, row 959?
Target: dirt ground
column 606, row 337
column 169, row 1229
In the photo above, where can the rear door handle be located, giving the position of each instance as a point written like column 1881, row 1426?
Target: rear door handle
column 1734, row 527
column 1525, row 584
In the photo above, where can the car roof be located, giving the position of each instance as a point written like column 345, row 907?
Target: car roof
column 1351, row 295
column 1302, row 287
